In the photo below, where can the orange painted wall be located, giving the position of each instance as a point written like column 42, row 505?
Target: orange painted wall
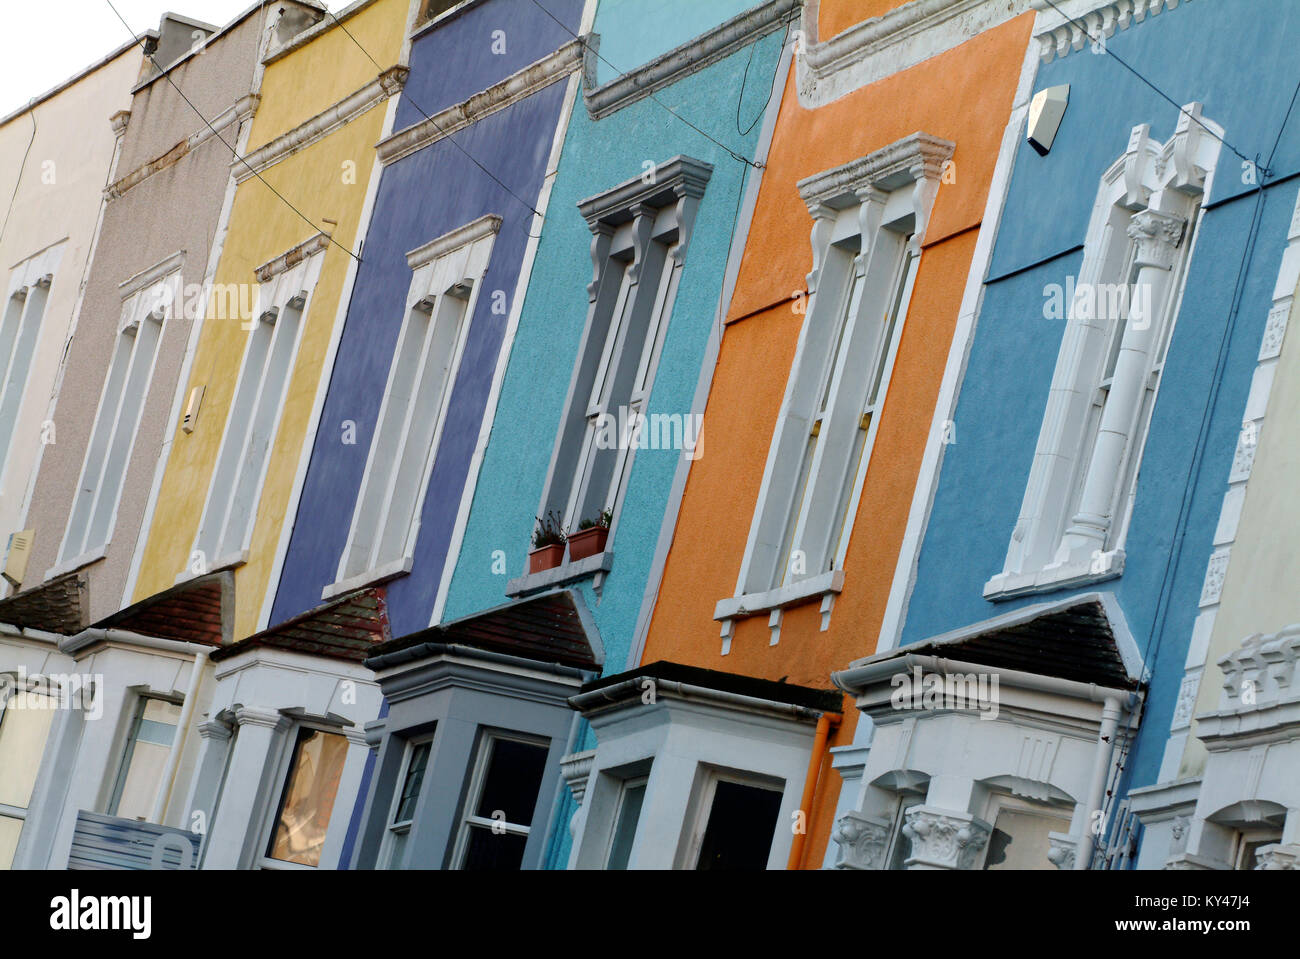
column 965, row 96
column 836, row 16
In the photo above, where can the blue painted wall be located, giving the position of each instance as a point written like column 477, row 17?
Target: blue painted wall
column 668, row 24
column 419, row 198
column 598, row 155
column 1238, row 63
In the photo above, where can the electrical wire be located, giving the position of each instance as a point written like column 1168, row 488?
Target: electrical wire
column 233, row 152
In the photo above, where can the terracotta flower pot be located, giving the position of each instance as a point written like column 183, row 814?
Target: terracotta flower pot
column 547, row 557
column 587, row 542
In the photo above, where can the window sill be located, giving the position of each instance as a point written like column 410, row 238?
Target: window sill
column 596, row 565
column 76, row 563
column 380, row 574
column 755, row 604
column 229, row 561
column 1050, row 578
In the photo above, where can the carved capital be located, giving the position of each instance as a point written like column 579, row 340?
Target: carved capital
column 944, row 840
column 1157, row 236
column 862, row 842
column 1278, row 856
column 1061, row 850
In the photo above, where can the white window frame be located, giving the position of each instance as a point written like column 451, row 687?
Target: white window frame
column 641, row 230
column 624, row 786
column 447, row 278
column 697, row 823
column 21, row 317
column 393, row 827
column 271, row 814
column 149, row 300
column 1143, row 224
column 468, row 818
column 124, row 755
column 286, row 287
column 9, row 687
column 869, row 223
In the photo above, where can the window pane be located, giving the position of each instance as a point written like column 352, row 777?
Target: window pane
column 629, row 814
column 411, row 785
column 10, row 830
column 513, row 778
column 308, row 799
column 23, row 731
column 146, row 755
column 493, row 851
column 741, row 823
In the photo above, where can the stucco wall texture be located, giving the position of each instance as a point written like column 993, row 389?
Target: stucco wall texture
column 175, row 209
column 964, row 95
column 57, row 192
column 326, row 180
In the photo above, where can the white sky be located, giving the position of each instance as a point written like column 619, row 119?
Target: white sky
column 43, row 42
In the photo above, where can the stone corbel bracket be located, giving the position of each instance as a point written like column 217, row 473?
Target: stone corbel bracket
column 1062, row 36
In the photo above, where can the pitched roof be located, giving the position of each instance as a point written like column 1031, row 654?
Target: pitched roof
column 547, row 628
column 55, row 606
column 195, row 611
column 349, row 627
column 823, row 700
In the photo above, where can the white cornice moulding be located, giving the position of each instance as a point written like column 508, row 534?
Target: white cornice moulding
column 235, row 114
column 461, row 236
column 387, row 84
column 683, row 61
column 1057, row 36
column 291, row 258
column 153, row 274
column 892, row 42
column 514, row 88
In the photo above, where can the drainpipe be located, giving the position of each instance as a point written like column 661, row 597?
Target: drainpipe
column 825, row 724
column 178, row 742
column 1100, row 769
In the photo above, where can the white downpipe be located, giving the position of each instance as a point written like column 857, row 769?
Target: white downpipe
column 1100, row 770
column 178, row 743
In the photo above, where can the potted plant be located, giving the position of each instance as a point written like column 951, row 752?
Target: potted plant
column 591, row 536
column 548, row 544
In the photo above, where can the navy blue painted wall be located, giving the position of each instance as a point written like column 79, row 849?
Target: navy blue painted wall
column 1238, row 63
column 457, row 57
column 419, row 198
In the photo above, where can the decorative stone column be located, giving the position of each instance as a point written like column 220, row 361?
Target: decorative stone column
column 942, row 839
column 1157, row 237
column 862, row 841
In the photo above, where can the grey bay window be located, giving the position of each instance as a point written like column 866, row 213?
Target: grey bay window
column 501, row 801
column 640, row 233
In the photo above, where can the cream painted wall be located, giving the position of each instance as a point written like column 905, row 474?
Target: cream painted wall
column 57, row 199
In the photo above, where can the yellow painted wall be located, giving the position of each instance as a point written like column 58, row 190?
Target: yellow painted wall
column 295, row 88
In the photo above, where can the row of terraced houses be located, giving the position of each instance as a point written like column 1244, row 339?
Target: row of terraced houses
column 611, row 434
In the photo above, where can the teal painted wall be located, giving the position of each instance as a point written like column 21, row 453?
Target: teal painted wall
column 598, row 155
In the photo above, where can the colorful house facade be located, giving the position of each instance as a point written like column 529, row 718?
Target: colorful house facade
column 1058, row 559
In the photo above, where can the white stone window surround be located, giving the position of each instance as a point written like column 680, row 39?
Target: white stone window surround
column 20, row 327
column 681, row 743
column 260, row 700
column 641, row 230
column 869, row 222
column 286, row 284
column 446, row 282
column 1249, row 783
column 149, row 300
column 1074, row 519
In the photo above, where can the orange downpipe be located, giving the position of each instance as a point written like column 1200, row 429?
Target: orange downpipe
column 825, row 724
